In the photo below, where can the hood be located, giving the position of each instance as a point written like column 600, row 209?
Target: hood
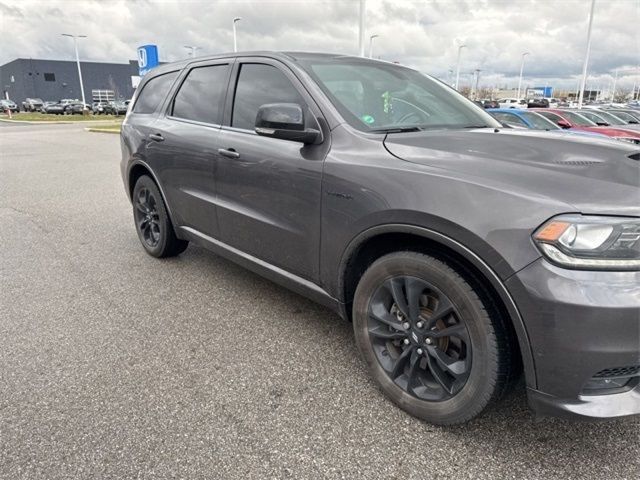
column 591, row 174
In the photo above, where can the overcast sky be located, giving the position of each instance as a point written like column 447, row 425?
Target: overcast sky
column 420, row 34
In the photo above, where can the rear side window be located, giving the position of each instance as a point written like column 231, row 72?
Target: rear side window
column 153, row 92
column 201, row 95
column 257, row 85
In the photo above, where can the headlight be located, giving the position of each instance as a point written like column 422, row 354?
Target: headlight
column 591, row 242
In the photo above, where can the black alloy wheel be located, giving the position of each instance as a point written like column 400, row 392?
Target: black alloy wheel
column 419, row 338
column 147, row 218
column 432, row 339
column 152, row 221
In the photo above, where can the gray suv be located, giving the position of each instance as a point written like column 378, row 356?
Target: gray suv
column 464, row 253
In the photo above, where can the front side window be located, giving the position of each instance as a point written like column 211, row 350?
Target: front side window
column 153, row 93
column 201, row 95
column 378, row 96
column 578, row 119
column 259, row 84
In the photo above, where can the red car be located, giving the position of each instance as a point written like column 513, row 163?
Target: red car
column 575, row 121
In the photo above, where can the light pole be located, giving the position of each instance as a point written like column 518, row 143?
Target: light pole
column 613, row 93
column 193, row 49
column 458, row 67
column 235, row 35
column 475, row 92
column 586, row 56
column 363, row 6
column 75, row 44
column 371, row 45
column 524, row 55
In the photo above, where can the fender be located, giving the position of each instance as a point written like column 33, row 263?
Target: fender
column 470, row 256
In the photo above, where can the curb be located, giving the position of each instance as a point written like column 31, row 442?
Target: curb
column 101, row 130
column 56, row 122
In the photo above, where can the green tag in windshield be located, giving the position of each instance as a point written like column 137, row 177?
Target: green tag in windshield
column 368, row 119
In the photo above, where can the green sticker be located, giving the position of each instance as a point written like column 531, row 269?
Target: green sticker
column 368, row 119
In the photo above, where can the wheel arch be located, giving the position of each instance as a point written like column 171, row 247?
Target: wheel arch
column 383, row 239
column 139, row 168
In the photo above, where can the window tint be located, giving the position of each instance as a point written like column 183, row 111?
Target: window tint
column 153, row 93
column 201, row 95
column 259, row 84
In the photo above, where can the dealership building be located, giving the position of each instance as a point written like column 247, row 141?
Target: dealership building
column 56, row 79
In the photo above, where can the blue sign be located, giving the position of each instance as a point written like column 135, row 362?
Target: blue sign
column 147, row 58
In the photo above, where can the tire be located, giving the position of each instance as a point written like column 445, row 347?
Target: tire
column 152, row 222
column 443, row 378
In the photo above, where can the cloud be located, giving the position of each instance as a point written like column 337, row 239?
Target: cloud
column 422, row 34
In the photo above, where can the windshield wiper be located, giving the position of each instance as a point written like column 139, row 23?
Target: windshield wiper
column 396, row 130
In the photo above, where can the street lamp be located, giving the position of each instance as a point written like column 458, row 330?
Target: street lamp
column 524, row 55
column 193, row 49
column 458, row 67
column 363, row 8
column 235, row 38
column 75, row 44
column 371, row 45
column 586, row 56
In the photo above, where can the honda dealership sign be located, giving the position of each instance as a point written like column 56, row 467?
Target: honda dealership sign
column 147, row 58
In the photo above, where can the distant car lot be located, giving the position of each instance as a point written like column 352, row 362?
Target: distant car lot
column 194, row 367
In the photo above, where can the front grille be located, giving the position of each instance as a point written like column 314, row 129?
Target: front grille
column 618, row 372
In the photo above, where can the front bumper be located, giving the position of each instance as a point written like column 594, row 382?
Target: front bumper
column 583, row 327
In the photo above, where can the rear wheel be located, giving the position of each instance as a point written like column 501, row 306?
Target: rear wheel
column 153, row 224
column 434, row 347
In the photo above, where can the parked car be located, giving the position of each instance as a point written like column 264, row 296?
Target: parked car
column 490, row 104
column 32, row 104
column 98, row 107
column 46, row 104
column 115, row 108
column 578, row 122
column 459, row 249
column 512, row 103
column 627, row 114
column 514, row 117
column 8, row 105
column 73, row 108
column 537, row 103
column 56, row 108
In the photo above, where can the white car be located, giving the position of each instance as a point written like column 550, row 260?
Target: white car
column 512, row 103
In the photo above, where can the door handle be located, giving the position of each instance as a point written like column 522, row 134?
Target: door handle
column 228, row 152
column 156, row 137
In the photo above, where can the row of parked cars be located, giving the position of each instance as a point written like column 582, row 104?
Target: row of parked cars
column 620, row 123
column 67, row 106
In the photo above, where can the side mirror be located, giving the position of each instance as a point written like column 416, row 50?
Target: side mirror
column 564, row 124
column 285, row 121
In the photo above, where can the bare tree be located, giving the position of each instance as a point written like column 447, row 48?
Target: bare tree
column 622, row 95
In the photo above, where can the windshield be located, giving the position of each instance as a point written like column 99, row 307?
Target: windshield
column 375, row 96
column 612, row 119
column 578, row 119
column 538, row 122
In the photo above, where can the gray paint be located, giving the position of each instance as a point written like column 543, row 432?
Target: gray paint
column 29, row 82
column 480, row 192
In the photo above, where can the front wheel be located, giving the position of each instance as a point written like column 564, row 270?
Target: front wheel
column 153, row 224
column 432, row 341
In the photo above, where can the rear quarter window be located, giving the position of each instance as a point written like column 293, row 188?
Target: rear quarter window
column 154, row 92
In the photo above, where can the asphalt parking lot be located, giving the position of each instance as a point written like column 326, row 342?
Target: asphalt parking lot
column 117, row 365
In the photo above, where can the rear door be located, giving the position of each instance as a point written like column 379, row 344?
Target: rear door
column 184, row 142
column 269, row 190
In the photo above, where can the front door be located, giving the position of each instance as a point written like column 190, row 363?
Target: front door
column 269, row 190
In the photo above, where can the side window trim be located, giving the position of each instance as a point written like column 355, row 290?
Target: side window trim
column 284, row 69
column 168, row 109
